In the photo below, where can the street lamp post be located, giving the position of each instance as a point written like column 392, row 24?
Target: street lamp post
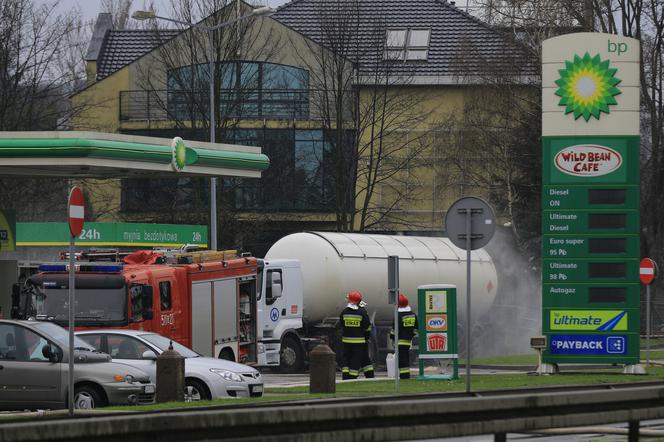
column 146, row 15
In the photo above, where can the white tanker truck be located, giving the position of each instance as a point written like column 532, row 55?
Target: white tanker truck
column 306, row 310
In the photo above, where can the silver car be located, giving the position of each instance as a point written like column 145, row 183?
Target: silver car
column 205, row 378
column 34, row 368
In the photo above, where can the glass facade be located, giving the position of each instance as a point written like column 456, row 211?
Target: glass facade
column 301, row 176
column 246, row 90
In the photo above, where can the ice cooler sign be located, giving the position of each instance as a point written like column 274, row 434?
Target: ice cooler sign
column 437, row 327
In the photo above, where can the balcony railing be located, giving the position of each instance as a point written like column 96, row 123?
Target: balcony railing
column 273, row 104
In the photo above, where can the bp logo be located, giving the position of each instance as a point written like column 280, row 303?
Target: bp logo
column 179, row 151
column 587, row 86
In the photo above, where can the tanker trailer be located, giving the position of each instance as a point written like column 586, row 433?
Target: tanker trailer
column 334, row 263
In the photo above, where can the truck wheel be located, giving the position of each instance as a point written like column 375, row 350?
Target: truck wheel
column 195, row 390
column 87, row 397
column 291, row 356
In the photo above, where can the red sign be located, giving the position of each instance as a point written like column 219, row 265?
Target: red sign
column 647, row 270
column 436, row 341
column 76, row 211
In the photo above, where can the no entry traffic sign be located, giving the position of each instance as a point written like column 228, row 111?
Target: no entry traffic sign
column 76, row 211
column 647, row 271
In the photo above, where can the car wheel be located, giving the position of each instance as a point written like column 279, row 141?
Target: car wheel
column 195, row 390
column 87, row 397
column 291, row 356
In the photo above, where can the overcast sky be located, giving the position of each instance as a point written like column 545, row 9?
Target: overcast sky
column 91, row 8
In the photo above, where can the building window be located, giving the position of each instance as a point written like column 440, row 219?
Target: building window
column 301, row 176
column 246, row 90
column 407, row 44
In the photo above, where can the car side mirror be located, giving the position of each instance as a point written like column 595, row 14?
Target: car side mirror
column 147, row 301
column 51, row 353
column 149, row 354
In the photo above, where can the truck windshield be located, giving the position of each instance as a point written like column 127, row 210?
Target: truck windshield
column 93, row 307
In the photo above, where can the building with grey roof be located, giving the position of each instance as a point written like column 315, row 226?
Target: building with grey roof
column 277, row 90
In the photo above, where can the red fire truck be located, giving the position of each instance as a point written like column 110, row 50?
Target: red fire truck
column 204, row 300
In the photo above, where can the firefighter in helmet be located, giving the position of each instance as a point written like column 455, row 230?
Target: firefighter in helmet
column 407, row 330
column 355, row 325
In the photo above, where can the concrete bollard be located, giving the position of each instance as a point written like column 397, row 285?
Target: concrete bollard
column 322, row 376
column 170, row 376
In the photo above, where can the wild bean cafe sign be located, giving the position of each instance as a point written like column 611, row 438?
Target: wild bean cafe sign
column 590, row 199
column 587, row 160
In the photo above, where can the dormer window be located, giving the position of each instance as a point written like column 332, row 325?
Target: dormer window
column 407, row 44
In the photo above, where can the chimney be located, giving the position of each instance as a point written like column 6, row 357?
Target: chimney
column 103, row 24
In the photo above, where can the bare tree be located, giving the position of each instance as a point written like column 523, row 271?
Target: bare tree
column 40, row 65
column 35, row 80
column 367, row 112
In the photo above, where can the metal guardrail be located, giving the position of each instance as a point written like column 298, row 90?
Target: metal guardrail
column 376, row 419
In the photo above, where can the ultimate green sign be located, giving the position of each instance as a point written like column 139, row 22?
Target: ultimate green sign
column 590, row 199
column 112, row 234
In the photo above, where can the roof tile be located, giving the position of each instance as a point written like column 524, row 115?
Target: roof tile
column 122, row 47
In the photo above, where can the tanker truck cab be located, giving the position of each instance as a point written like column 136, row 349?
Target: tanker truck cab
column 280, row 314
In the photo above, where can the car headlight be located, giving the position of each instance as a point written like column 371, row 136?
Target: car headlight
column 127, row 378
column 228, row 375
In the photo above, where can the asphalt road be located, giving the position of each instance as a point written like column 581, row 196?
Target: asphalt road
column 275, row 379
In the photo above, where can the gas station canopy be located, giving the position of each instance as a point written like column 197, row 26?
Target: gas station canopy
column 103, row 155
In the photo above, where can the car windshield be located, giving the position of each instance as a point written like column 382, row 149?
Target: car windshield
column 162, row 343
column 61, row 336
column 93, row 306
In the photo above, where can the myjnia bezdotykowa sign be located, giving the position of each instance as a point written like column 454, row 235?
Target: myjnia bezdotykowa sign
column 112, row 234
column 590, row 197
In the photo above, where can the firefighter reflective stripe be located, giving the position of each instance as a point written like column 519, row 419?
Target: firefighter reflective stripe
column 355, row 373
column 367, row 368
column 352, row 320
column 347, row 340
column 405, row 342
column 404, row 370
column 344, row 369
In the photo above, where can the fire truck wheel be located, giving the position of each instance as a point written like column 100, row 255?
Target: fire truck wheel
column 291, row 356
column 195, row 390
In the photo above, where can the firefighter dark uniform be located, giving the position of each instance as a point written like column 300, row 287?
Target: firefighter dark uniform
column 367, row 366
column 354, row 324
column 407, row 330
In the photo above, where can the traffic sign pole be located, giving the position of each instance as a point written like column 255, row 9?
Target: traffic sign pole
column 71, row 325
column 470, row 224
column 469, row 216
column 648, row 325
column 75, row 218
column 647, row 274
column 393, row 288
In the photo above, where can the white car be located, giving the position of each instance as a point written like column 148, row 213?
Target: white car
column 205, row 378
